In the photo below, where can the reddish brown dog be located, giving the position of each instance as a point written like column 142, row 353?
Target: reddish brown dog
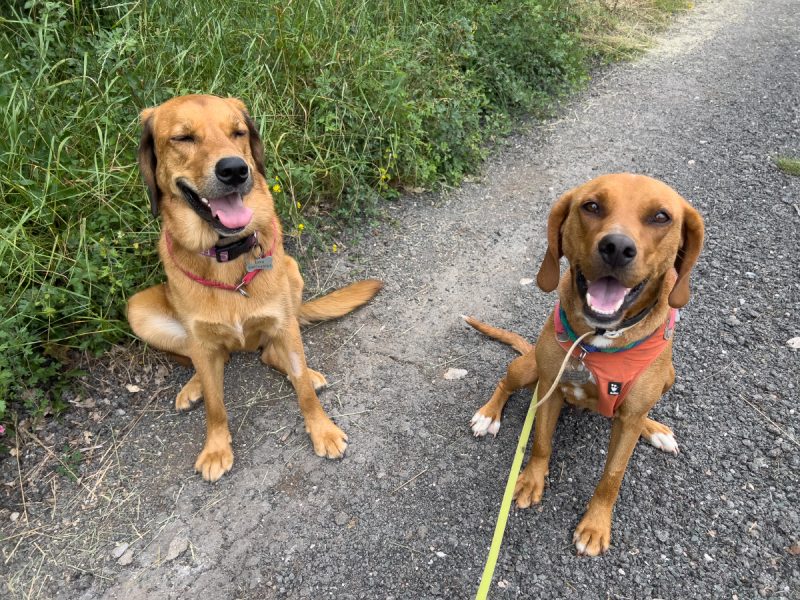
column 631, row 242
column 229, row 284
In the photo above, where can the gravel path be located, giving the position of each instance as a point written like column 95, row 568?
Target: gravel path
column 409, row 513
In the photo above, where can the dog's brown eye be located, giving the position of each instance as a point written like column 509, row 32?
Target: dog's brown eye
column 239, row 133
column 591, row 207
column 660, row 217
column 183, row 138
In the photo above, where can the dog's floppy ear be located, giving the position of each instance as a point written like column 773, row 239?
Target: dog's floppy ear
column 256, row 147
column 549, row 271
column 147, row 159
column 691, row 244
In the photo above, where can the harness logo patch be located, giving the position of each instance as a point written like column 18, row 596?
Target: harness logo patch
column 614, row 388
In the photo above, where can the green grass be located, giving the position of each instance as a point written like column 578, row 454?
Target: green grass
column 788, row 165
column 356, row 100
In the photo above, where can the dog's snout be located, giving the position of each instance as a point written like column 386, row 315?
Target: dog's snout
column 232, row 170
column 617, row 250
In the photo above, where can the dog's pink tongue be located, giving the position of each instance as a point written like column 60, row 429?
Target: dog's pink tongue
column 606, row 295
column 230, row 210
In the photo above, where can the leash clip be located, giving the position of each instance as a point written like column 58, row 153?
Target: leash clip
column 240, row 288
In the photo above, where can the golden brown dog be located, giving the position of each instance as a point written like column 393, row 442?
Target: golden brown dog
column 631, row 242
column 229, row 284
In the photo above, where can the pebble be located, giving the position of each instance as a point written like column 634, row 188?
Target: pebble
column 119, row 549
column 455, row 373
column 177, row 546
column 126, row 558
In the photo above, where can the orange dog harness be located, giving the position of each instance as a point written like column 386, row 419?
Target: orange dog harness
column 615, row 370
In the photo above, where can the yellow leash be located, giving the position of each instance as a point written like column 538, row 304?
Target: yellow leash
column 505, row 506
column 508, row 496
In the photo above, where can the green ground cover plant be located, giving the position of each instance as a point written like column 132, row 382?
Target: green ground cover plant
column 789, row 165
column 356, row 100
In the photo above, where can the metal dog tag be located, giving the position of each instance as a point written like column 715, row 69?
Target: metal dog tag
column 260, row 264
column 575, row 376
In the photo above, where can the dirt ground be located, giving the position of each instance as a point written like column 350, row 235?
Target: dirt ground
column 104, row 503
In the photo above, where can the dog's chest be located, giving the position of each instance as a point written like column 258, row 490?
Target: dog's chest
column 241, row 331
column 578, row 385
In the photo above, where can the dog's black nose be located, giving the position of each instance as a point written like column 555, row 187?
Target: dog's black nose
column 617, row 250
column 232, row 170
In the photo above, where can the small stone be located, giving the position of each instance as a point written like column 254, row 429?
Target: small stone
column 119, row 549
column 14, row 516
column 733, row 321
column 126, row 558
column 177, row 546
column 341, row 518
column 455, row 373
column 132, row 388
column 794, row 343
column 440, row 554
column 525, row 281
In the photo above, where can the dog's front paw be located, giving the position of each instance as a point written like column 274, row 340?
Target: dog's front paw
column 530, row 487
column 215, row 460
column 660, row 436
column 592, row 535
column 482, row 424
column 329, row 441
column 189, row 395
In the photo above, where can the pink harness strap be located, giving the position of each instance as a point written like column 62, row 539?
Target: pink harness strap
column 615, row 373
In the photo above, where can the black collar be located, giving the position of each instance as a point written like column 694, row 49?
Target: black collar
column 630, row 321
column 231, row 251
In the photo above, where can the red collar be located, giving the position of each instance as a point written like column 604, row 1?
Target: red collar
column 253, row 269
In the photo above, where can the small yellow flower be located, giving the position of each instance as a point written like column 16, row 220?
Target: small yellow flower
column 277, row 188
column 300, row 227
column 335, row 248
column 299, row 205
column 135, row 245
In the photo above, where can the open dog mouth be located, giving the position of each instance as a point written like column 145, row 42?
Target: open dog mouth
column 226, row 214
column 605, row 299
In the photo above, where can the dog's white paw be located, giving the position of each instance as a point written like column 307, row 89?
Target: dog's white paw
column 663, row 441
column 481, row 425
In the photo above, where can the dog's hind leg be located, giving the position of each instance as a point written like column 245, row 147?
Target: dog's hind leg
column 152, row 319
column 660, row 436
column 271, row 358
column 190, row 395
column 522, row 372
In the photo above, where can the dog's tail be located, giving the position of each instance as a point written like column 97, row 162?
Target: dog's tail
column 515, row 340
column 339, row 302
